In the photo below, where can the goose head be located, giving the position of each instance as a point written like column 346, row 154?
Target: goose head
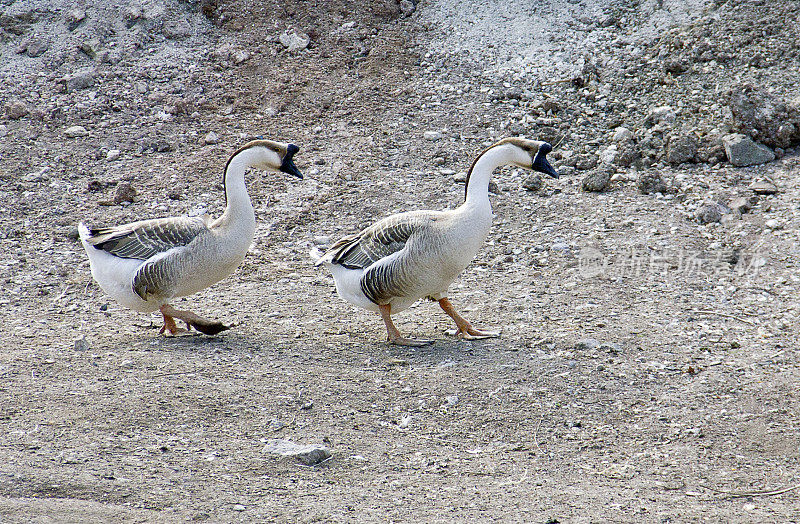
column 531, row 154
column 267, row 155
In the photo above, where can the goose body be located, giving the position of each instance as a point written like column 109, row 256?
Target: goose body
column 408, row 256
column 144, row 265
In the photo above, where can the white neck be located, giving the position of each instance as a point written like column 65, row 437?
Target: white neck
column 239, row 213
column 491, row 159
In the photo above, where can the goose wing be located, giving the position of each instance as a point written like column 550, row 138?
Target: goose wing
column 147, row 238
column 379, row 241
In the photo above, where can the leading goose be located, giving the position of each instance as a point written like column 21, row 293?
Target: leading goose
column 408, row 256
column 144, row 265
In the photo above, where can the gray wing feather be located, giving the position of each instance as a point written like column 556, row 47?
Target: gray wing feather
column 385, row 278
column 145, row 239
column 378, row 241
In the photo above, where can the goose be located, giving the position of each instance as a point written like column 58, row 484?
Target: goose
column 144, row 265
column 417, row 254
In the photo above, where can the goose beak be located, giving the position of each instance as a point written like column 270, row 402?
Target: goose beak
column 541, row 164
column 287, row 166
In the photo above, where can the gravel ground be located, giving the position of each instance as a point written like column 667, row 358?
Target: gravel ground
column 647, row 299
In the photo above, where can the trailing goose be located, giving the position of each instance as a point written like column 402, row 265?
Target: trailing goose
column 144, row 265
column 404, row 257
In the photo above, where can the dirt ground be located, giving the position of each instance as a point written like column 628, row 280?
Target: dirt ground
column 648, row 366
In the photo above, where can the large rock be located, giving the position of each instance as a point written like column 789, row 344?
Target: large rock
column 765, row 118
column 742, row 151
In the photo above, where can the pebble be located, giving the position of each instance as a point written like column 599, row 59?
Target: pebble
column 460, row 177
column 3, row 130
column 293, row 41
column 761, row 187
column 533, row 182
column 650, row 183
column 15, row 109
column 310, row 455
column 451, row 400
column 238, row 507
column 74, row 17
column 75, row 131
column 740, row 205
column 78, row 80
column 125, row 192
column 622, row 134
column 774, row 223
column 211, row 138
column 586, row 344
column 596, row 181
column 176, row 29
column 81, row 344
column 126, row 364
column 407, row 7
column 660, row 114
column 113, row 154
column 709, row 213
column 432, row 135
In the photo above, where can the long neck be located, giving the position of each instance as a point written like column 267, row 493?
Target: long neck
column 478, row 181
column 238, row 209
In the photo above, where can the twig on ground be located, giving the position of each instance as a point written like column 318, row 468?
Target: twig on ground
column 767, row 492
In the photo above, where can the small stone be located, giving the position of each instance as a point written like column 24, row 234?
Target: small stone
column 75, row 132
column 585, row 162
column 761, row 187
column 586, row 344
column 460, row 177
column 451, row 400
column 74, row 18
column 37, row 46
column 140, row 87
column 113, row 154
column 310, row 455
column 293, row 41
column 177, row 29
column 596, row 181
column 675, row 66
column 622, row 134
column 3, row 130
column 124, row 192
column 15, row 109
column 709, row 213
column 78, row 80
column 238, row 507
column 774, row 223
column 432, row 135
column 533, row 183
column 741, row 205
column 407, row 7
column 126, row 364
column 239, row 55
column 660, row 114
column 494, row 188
column 650, row 183
column 211, row 138
column 742, row 151
column 81, row 344
column 682, row 149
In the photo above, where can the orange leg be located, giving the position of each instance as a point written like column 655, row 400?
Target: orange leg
column 190, row 319
column 394, row 336
column 465, row 329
